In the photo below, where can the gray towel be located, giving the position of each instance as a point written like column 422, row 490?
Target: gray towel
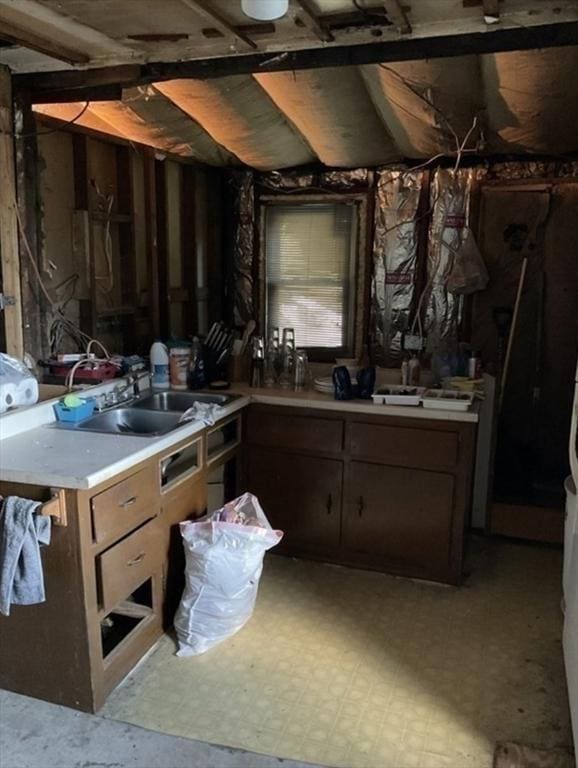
column 22, row 531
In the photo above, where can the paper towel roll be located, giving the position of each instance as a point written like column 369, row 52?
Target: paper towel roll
column 8, row 395
column 27, row 392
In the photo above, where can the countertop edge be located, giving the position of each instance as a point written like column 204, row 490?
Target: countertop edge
column 245, row 397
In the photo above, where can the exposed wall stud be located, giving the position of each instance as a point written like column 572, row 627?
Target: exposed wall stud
column 12, row 310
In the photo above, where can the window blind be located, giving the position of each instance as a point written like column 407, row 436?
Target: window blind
column 309, row 252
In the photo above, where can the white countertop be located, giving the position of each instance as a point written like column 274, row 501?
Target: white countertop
column 309, row 398
column 33, row 451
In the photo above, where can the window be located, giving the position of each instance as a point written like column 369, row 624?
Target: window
column 310, row 262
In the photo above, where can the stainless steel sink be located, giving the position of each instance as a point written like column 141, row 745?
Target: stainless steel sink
column 129, row 421
column 180, row 401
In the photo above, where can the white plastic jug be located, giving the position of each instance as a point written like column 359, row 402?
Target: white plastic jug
column 159, row 357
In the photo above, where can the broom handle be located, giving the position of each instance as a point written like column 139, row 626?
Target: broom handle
column 513, row 329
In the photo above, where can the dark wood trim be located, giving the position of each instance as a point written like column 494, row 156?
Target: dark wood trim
column 363, row 202
column 404, row 49
column 162, row 248
column 126, row 240
column 151, row 240
column 188, row 264
column 97, row 93
column 423, row 219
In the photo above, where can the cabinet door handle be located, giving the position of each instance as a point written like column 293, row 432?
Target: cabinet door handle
column 360, row 506
column 128, row 502
column 329, row 504
column 136, row 560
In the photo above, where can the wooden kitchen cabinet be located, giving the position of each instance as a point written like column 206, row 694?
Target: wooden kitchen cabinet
column 381, row 492
column 301, row 495
column 113, row 575
column 399, row 518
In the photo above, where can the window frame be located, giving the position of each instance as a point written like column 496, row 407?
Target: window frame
column 359, row 267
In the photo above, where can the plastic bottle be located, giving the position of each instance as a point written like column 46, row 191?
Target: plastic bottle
column 475, row 366
column 159, row 362
column 405, row 372
column 414, row 371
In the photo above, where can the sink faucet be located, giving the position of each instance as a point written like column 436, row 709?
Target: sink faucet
column 133, row 380
column 121, row 393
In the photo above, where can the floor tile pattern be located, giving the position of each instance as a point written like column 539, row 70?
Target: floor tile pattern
column 364, row 670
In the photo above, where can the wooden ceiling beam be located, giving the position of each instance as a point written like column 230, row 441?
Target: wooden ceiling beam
column 397, row 14
column 202, row 8
column 47, row 45
column 402, row 49
column 313, row 22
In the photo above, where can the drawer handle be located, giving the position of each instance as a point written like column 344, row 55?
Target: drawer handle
column 128, row 502
column 360, row 506
column 329, row 504
column 136, row 560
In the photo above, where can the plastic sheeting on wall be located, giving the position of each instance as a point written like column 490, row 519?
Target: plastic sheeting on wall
column 450, row 204
column 395, row 254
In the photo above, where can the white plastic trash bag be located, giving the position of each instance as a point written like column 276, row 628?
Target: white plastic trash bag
column 224, row 559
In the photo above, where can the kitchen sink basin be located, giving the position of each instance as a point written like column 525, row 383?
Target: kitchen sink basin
column 180, row 401
column 129, row 421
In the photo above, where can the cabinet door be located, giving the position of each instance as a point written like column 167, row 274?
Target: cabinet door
column 402, row 517
column 301, row 495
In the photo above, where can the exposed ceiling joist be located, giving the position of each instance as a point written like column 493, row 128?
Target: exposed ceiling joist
column 398, row 15
column 402, row 49
column 202, row 8
column 47, row 45
column 312, row 22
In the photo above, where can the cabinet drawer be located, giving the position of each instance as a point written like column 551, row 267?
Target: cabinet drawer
column 124, row 506
column 130, row 562
column 301, row 433
column 403, row 446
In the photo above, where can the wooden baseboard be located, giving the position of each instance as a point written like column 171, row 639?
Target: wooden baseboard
column 522, row 521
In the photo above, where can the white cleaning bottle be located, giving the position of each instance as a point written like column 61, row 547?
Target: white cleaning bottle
column 159, row 360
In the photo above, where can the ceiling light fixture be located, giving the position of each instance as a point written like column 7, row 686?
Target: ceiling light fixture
column 265, row 10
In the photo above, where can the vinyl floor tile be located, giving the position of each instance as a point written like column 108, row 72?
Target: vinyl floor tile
column 362, row 670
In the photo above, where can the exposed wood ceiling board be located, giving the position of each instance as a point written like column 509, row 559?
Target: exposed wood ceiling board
column 119, row 18
column 46, row 23
column 532, row 100
column 176, row 126
column 398, row 13
column 241, row 117
column 220, row 21
column 423, row 103
column 16, row 35
column 306, row 13
column 444, row 42
column 332, row 109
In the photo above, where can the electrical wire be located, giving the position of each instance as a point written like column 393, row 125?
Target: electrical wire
column 62, row 127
